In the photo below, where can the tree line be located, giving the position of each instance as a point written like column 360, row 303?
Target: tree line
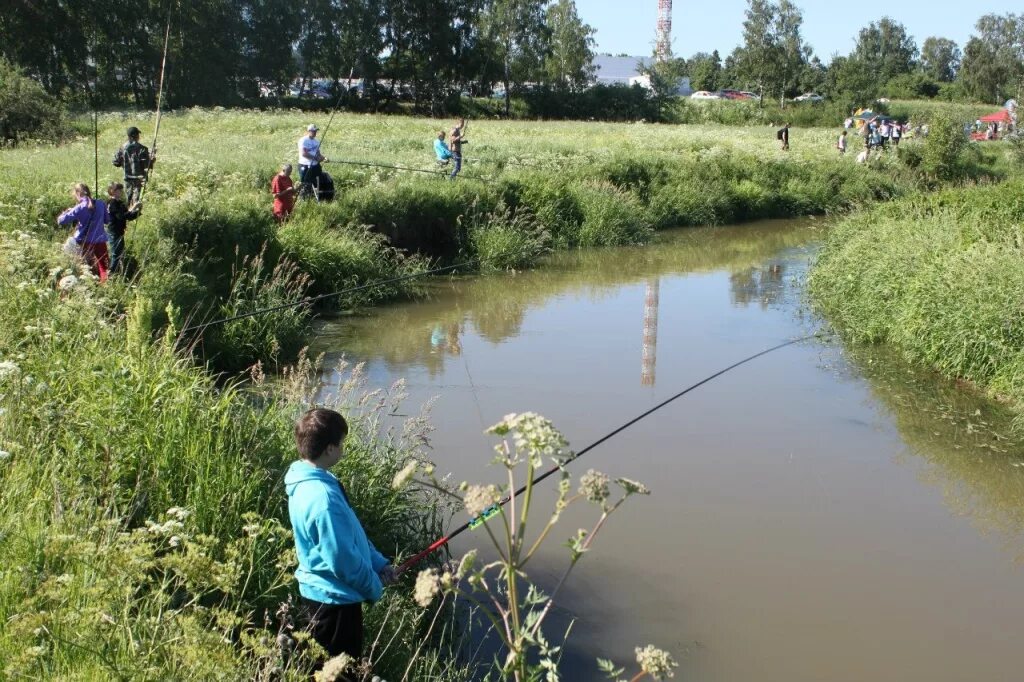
column 775, row 61
column 227, row 51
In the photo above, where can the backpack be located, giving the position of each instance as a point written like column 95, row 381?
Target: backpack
column 778, row 135
column 134, row 158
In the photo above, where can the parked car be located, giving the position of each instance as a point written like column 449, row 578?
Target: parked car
column 750, row 95
column 809, row 97
column 704, row 94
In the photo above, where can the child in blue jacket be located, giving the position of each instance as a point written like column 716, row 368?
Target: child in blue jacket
column 339, row 568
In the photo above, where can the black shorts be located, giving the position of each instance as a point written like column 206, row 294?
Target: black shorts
column 338, row 628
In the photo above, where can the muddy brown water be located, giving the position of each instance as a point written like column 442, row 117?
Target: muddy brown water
column 817, row 514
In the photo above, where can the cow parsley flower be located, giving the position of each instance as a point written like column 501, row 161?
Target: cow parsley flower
column 8, row 369
column 594, row 486
column 633, row 487
column 479, row 497
column 655, row 662
column 428, row 584
column 67, row 283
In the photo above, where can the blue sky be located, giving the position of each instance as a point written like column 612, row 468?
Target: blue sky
column 829, row 26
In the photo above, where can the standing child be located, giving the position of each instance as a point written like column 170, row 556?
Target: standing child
column 339, row 568
column 118, row 215
column 283, row 190
column 456, row 140
column 89, row 216
column 841, row 143
column 784, row 136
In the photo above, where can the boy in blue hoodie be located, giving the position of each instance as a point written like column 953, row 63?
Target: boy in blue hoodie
column 339, row 568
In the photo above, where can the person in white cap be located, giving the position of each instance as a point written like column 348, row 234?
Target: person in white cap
column 310, row 159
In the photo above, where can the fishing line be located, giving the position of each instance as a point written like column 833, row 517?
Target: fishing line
column 441, row 173
column 494, row 509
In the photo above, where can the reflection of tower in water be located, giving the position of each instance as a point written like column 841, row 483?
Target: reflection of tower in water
column 649, row 347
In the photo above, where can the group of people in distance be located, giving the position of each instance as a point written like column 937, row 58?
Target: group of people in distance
column 879, row 133
column 100, row 226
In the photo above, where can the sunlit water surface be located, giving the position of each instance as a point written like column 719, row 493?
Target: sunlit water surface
column 815, row 515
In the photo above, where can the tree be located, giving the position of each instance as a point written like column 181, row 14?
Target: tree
column 516, row 32
column 993, row 63
column 887, row 48
column 851, row 81
column 940, row 59
column 705, row 71
column 773, row 53
column 570, row 60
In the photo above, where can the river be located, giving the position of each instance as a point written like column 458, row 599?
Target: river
column 816, row 514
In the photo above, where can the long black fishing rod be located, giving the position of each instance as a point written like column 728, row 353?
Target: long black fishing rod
column 494, row 509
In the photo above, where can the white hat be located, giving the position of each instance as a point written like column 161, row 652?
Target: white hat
column 311, row 127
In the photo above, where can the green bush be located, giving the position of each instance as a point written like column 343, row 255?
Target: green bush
column 942, row 152
column 26, row 110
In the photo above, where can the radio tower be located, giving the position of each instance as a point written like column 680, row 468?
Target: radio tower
column 663, row 46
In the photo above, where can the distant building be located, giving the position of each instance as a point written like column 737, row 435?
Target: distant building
column 626, row 71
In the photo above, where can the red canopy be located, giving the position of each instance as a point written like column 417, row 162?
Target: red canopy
column 998, row 117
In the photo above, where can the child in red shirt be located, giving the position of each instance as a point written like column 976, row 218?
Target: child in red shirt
column 284, row 193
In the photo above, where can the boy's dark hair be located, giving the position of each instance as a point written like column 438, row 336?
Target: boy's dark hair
column 317, row 430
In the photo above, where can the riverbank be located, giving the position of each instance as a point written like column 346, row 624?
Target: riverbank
column 143, row 525
column 937, row 277
column 207, row 248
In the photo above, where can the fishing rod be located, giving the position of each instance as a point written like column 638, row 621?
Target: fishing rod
column 414, row 170
column 334, row 109
column 496, row 508
column 159, row 100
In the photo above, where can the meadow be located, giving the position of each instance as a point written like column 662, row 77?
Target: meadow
column 142, row 526
column 206, row 246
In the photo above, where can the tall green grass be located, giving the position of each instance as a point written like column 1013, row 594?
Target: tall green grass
column 939, row 277
column 143, row 530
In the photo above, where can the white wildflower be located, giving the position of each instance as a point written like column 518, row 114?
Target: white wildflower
column 655, row 662
column 479, row 497
column 633, row 487
column 403, row 476
column 55, row 272
column 334, row 669
column 67, row 283
column 64, row 578
column 8, row 369
column 179, row 513
column 428, row 584
column 174, row 541
column 594, row 486
column 532, row 434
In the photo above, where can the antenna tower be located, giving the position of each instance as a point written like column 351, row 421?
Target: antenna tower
column 663, row 46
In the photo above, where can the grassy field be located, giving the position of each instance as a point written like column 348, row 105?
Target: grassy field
column 142, row 525
column 939, row 278
column 206, row 246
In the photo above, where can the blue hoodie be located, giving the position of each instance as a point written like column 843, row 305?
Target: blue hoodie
column 337, row 563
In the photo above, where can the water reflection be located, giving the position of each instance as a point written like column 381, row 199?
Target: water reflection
column 965, row 439
column 762, row 285
column 425, row 332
